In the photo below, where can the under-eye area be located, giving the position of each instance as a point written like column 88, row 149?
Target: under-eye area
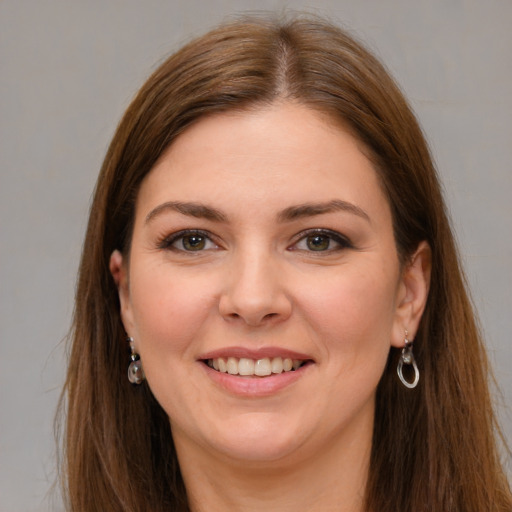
column 265, row 367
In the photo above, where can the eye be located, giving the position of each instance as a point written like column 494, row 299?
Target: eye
column 188, row 241
column 321, row 240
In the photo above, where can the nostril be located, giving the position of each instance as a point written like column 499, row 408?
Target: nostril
column 254, row 308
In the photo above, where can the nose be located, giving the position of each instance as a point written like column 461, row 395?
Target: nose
column 255, row 292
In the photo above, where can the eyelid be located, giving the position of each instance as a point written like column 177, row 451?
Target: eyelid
column 342, row 240
column 167, row 241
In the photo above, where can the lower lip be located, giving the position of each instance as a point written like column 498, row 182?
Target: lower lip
column 255, row 386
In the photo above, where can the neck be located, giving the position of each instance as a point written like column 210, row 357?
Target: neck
column 327, row 480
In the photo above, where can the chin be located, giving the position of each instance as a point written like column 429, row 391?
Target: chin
column 256, row 439
column 260, row 450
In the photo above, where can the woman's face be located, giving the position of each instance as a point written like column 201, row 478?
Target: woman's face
column 263, row 240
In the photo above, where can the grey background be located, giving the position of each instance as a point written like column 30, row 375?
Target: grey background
column 67, row 72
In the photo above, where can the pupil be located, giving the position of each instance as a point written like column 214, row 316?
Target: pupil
column 318, row 243
column 193, row 242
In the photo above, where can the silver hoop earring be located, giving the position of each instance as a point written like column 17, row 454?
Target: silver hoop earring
column 135, row 371
column 407, row 357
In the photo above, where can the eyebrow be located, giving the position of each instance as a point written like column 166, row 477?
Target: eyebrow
column 312, row 209
column 198, row 210
column 201, row 211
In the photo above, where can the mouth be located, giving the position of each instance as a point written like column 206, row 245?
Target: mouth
column 264, row 367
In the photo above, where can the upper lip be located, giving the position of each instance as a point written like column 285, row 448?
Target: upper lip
column 252, row 353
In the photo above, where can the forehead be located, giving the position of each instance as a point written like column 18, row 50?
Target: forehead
column 285, row 153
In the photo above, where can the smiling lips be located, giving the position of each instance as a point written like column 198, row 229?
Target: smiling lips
column 247, row 367
column 255, row 373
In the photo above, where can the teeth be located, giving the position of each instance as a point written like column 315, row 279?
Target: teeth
column 262, row 367
column 246, row 366
column 277, row 365
column 249, row 367
column 232, row 366
column 222, row 365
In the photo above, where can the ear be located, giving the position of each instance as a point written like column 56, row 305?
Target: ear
column 412, row 295
column 118, row 269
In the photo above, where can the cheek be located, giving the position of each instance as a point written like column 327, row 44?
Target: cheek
column 354, row 310
column 168, row 310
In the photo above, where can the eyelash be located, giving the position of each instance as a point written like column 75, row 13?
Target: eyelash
column 331, row 236
column 168, row 241
column 342, row 241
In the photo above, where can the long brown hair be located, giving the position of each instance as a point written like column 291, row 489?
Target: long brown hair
column 434, row 448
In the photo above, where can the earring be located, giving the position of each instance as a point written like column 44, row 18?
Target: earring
column 407, row 357
column 135, row 371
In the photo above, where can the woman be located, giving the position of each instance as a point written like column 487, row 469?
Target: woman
column 268, row 254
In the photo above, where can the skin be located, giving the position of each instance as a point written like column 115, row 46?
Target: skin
column 256, row 283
